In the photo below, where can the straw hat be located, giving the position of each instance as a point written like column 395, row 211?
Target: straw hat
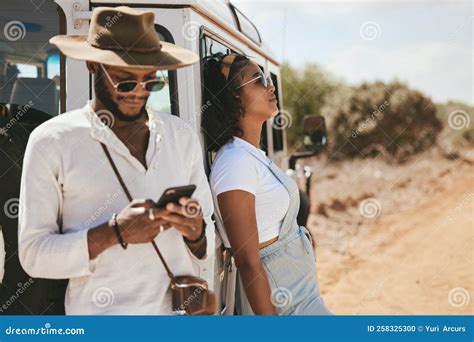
column 124, row 37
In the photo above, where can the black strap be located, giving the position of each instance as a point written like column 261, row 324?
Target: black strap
column 124, row 187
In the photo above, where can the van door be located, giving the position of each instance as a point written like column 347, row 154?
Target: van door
column 31, row 92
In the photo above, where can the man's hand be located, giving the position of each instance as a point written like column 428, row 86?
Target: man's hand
column 187, row 218
column 139, row 222
column 137, row 225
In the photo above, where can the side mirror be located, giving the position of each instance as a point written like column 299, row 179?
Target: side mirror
column 315, row 135
column 315, row 138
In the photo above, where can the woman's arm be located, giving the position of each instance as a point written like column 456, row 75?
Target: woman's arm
column 237, row 208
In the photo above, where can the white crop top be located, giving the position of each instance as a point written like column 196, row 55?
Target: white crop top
column 236, row 169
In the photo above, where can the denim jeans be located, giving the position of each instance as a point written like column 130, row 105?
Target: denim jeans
column 291, row 271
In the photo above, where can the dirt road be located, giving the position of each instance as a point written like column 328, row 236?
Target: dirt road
column 414, row 260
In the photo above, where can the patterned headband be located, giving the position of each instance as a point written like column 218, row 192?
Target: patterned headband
column 227, row 64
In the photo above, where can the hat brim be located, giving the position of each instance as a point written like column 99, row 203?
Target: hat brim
column 170, row 56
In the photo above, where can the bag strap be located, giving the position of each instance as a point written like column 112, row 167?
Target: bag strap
column 130, row 198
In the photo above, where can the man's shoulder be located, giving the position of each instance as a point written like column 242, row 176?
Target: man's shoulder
column 173, row 120
column 178, row 127
column 60, row 126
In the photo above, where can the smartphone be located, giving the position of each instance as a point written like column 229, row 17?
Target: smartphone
column 172, row 195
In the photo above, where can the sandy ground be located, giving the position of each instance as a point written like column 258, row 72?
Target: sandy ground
column 395, row 239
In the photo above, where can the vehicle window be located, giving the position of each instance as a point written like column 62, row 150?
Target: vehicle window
column 208, row 47
column 264, row 136
column 165, row 100
column 29, row 66
column 277, row 130
column 211, row 46
column 247, row 27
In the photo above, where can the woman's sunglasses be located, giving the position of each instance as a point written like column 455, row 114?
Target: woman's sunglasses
column 129, row 86
column 264, row 80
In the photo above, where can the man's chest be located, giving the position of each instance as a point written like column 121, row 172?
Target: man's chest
column 137, row 144
column 88, row 175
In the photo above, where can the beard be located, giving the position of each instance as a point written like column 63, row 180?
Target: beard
column 105, row 97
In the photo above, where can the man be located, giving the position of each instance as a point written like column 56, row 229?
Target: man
column 69, row 185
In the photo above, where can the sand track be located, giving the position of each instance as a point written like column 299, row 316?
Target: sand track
column 415, row 259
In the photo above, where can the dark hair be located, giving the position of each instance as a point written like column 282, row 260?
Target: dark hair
column 221, row 108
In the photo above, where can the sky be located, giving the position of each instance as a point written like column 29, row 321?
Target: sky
column 427, row 44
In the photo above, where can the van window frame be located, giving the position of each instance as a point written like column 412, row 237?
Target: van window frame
column 278, row 143
column 240, row 17
column 41, row 67
column 203, row 34
column 172, row 74
column 62, row 63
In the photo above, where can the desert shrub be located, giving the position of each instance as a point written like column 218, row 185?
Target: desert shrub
column 457, row 119
column 374, row 118
column 304, row 92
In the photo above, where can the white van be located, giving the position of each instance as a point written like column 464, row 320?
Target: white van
column 31, row 68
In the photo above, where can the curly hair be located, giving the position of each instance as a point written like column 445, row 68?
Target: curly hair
column 223, row 108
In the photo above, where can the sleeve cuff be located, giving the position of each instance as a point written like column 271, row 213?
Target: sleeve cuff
column 85, row 266
column 235, row 187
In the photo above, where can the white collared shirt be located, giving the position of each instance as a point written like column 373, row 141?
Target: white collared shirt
column 67, row 180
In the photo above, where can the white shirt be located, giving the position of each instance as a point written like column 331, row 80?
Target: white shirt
column 68, row 180
column 236, row 169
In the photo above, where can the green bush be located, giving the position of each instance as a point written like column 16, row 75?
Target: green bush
column 374, row 118
column 304, row 92
column 457, row 119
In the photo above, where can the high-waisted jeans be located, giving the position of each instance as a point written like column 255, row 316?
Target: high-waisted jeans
column 291, row 270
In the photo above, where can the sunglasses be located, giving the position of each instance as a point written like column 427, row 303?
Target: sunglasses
column 264, row 80
column 129, row 86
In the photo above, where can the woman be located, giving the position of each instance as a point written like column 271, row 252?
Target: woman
column 255, row 201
